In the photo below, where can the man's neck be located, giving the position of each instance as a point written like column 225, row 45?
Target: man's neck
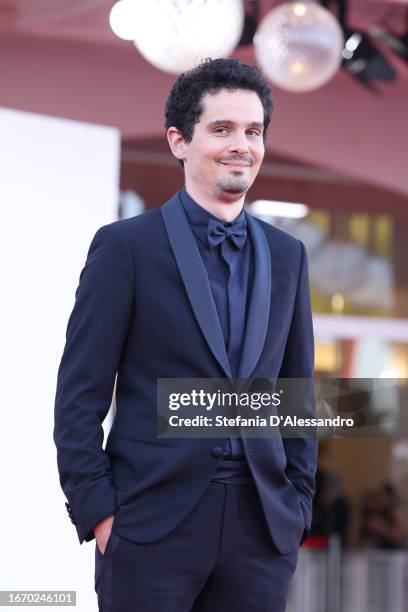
column 224, row 209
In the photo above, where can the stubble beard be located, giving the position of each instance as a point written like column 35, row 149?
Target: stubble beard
column 233, row 185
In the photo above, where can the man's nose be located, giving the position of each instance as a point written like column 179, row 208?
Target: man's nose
column 239, row 144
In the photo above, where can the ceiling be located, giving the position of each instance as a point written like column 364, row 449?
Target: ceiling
column 87, row 19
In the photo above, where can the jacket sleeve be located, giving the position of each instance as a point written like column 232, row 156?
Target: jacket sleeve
column 95, row 336
column 298, row 362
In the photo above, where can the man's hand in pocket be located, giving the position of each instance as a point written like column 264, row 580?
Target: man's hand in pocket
column 102, row 532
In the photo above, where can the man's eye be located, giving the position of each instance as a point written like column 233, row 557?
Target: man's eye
column 220, row 130
column 254, row 132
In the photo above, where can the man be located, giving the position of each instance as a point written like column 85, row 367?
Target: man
column 194, row 289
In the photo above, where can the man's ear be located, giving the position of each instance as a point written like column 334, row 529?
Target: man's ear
column 177, row 143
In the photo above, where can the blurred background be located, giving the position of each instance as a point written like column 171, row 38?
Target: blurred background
column 83, row 143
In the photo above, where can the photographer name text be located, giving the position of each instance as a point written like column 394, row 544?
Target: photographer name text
column 257, row 421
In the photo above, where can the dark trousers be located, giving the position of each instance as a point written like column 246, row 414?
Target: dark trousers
column 220, row 558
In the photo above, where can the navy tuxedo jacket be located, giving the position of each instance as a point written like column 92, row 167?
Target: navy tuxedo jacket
column 144, row 310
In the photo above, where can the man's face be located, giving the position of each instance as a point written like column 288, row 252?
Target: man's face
column 227, row 148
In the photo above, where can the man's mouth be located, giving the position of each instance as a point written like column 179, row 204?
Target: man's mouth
column 236, row 164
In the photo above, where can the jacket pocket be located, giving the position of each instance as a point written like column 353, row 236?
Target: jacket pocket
column 152, row 441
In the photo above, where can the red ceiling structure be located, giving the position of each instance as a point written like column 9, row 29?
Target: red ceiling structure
column 59, row 57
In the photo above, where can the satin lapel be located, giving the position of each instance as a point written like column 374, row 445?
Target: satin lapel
column 259, row 306
column 195, row 278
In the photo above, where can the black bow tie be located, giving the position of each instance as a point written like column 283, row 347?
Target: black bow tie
column 217, row 231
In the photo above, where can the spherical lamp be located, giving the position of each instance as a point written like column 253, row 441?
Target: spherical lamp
column 175, row 35
column 299, row 46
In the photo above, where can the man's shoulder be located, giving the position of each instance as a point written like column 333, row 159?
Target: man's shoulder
column 139, row 224
column 277, row 237
column 143, row 223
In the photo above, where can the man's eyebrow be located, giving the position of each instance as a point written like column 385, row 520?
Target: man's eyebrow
column 253, row 124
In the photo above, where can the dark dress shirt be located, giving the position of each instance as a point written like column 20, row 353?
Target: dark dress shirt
column 230, row 285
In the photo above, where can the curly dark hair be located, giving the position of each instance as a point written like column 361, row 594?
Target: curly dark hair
column 184, row 103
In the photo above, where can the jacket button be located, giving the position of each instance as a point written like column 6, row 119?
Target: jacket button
column 217, row 451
